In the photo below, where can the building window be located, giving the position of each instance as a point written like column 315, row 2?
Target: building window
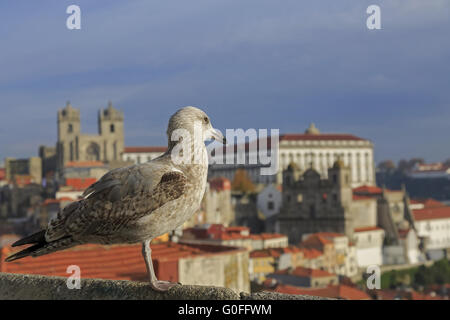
column 112, row 128
column 270, row 205
column 93, row 152
column 312, row 210
column 70, row 128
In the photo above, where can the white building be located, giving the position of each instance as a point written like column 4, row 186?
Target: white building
column 346, row 255
column 406, row 251
column 142, row 154
column 369, row 246
column 309, row 149
column 269, row 240
column 430, row 171
column 338, row 253
column 433, row 226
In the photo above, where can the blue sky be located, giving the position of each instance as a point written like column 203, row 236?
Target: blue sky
column 249, row 64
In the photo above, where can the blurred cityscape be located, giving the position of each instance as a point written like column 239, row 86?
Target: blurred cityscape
column 313, row 228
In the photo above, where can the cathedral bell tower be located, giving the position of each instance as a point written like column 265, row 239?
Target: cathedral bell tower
column 340, row 178
column 110, row 126
column 69, row 128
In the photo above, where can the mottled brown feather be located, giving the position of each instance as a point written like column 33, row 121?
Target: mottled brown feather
column 119, row 199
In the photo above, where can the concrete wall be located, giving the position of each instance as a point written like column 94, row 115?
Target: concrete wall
column 33, row 287
column 225, row 270
column 364, row 213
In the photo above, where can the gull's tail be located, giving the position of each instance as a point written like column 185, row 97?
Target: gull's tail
column 40, row 246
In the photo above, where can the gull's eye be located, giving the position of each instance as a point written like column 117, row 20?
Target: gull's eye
column 206, row 120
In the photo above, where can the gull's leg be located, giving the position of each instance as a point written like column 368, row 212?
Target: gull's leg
column 156, row 284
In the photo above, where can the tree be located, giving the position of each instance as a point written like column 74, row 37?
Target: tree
column 447, row 163
column 386, row 165
column 408, row 165
column 242, row 182
column 414, row 161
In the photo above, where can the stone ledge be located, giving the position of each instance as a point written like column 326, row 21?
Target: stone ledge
column 35, row 287
column 265, row 295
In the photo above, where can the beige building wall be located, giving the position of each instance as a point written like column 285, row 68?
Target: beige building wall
column 364, row 213
column 228, row 269
column 27, row 167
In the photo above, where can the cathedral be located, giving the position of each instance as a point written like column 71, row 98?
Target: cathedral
column 74, row 146
column 314, row 204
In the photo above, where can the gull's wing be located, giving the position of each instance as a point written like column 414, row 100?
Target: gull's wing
column 119, row 198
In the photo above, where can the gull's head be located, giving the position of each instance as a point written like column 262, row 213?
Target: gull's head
column 193, row 121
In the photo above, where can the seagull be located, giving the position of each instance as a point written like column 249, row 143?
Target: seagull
column 137, row 203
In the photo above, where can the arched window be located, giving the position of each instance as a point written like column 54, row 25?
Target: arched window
column 70, row 128
column 93, row 152
column 112, row 128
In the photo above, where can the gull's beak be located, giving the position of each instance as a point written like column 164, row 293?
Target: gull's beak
column 218, row 136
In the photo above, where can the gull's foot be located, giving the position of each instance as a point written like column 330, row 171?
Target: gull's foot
column 163, row 286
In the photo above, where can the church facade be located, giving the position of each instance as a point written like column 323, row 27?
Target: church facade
column 74, row 146
column 313, row 204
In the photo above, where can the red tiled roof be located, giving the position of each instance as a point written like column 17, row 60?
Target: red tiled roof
column 274, row 252
column 237, row 228
column 371, row 190
column 311, row 253
column 23, row 180
column 405, row 295
column 361, row 198
column 292, row 249
column 427, row 203
column 220, row 232
column 220, row 184
column 305, row 272
column 432, row 213
column 111, row 262
column 315, row 242
column 319, row 240
column 321, row 136
column 84, row 164
column 334, row 291
column 264, row 253
column 368, row 189
column 80, row 183
column 365, row 229
column 267, row 236
column 53, row 201
column 50, row 201
column 67, row 199
column 144, row 149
